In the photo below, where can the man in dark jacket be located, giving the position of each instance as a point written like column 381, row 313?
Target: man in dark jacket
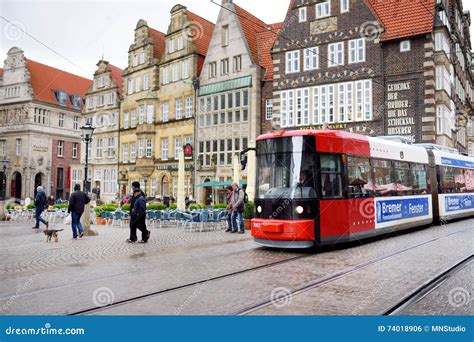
column 77, row 203
column 40, row 203
column 138, row 215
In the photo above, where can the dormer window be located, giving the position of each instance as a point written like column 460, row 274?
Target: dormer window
column 76, row 101
column 405, row 46
column 61, row 97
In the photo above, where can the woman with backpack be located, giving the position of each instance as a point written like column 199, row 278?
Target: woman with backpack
column 237, row 201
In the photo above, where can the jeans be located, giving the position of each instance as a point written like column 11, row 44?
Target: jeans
column 237, row 215
column 76, row 224
column 229, row 221
column 39, row 218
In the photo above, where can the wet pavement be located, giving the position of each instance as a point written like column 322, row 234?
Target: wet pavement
column 182, row 272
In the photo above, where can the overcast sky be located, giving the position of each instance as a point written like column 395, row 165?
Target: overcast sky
column 81, row 31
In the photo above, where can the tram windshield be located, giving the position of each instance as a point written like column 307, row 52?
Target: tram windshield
column 286, row 168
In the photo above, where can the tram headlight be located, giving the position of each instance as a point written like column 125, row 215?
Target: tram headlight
column 299, row 209
column 259, row 209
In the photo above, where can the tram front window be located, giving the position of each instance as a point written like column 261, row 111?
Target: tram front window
column 286, row 168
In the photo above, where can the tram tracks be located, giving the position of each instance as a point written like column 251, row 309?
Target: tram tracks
column 427, row 287
column 264, row 303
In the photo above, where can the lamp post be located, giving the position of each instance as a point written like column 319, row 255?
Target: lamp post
column 4, row 178
column 145, row 179
column 87, row 131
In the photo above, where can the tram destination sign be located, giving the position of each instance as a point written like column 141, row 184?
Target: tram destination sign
column 400, row 111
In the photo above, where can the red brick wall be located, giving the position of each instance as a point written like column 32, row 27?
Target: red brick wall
column 65, row 163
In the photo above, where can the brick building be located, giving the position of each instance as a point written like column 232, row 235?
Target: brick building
column 40, row 115
column 374, row 67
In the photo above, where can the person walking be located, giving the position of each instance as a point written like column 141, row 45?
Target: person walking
column 229, row 209
column 77, row 203
column 40, row 203
column 237, row 202
column 138, row 215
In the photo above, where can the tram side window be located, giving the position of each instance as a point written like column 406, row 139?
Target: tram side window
column 331, row 179
column 402, row 185
column 359, row 179
column 383, row 178
column 419, row 179
column 469, row 179
column 459, row 180
column 447, row 183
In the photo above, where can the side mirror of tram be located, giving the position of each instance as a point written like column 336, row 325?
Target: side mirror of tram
column 243, row 161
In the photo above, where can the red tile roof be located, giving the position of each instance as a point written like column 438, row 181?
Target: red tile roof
column 117, row 77
column 404, row 18
column 251, row 26
column 265, row 41
column 46, row 79
column 206, row 28
column 159, row 39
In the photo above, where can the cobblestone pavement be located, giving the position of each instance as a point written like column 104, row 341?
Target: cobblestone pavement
column 71, row 276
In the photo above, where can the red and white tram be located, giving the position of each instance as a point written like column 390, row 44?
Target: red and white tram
column 316, row 188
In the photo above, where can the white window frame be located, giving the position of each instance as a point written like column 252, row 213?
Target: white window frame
column 133, row 153
column 126, row 120
column 166, row 75
column 165, row 114
column 150, row 113
column 133, row 120
column 146, row 82
column 164, row 149
column 292, row 62
column 323, row 9
column 149, row 148
column 302, row 15
column 356, row 50
column 189, row 107
column 344, row 6
column 177, row 147
column 179, row 109
column 185, row 69
column 125, row 153
column 311, row 58
column 175, row 72
column 336, row 54
column 75, row 149
column 142, row 56
column 98, row 148
column 405, row 45
column 141, row 114
column 60, row 148
column 141, row 148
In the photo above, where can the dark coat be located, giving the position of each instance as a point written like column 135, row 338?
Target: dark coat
column 40, row 200
column 138, row 206
column 77, row 202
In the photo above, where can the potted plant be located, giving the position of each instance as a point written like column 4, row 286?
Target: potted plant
column 249, row 214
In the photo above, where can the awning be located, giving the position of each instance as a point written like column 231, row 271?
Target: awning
column 219, row 87
column 216, row 184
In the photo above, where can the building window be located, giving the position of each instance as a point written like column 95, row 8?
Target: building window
column 125, row 153
column 302, row 14
column 100, row 82
column 189, row 107
column 165, row 112
column 164, row 149
column 18, row 147
column 141, row 114
column 60, row 95
column 142, row 56
column 111, row 98
column 269, row 109
column 149, row 148
column 90, row 102
column 186, row 69
column 357, row 50
column 3, row 148
column 61, row 117
column 111, row 147
column 135, row 59
column 141, row 148
column 166, row 75
column 126, row 120
column 213, row 70
column 98, row 148
column 180, row 43
column 344, row 6
column 177, row 147
column 225, row 35
column 76, row 123
column 405, row 45
column 336, row 54
column 292, row 61
column 311, row 60
column 100, row 100
column 175, row 72
column 225, row 66
column 130, row 86
column 171, row 46
column 137, row 84
column 323, row 9
column 179, row 109
column 132, row 153
column 237, row 63
column 60, row 148
column 150, row 114
column 146, row 82
column 75, row 147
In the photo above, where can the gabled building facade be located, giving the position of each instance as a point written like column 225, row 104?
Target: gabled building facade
column 230, row 95
column 102, row 111
column 371, row 67
column 139, row 107
column 40, row 118
column 187, row 41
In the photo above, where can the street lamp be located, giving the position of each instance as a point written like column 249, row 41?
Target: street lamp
column 145, row 179
column 87, row 131
column 4, row 178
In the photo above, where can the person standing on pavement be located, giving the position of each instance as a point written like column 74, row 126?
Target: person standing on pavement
column 229, row 209
column 237, row 202
column 138, row 215
column 40, row 203
column 77, row 203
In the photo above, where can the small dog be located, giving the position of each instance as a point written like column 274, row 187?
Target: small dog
column 50, row 234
